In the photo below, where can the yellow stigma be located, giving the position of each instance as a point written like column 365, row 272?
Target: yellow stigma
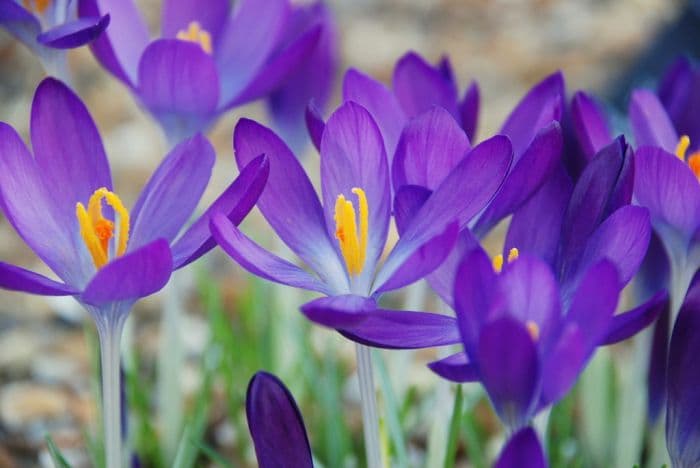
column 195, row 33
column 497, row 261
column 38, row 6
column 97, row 231
column 533, row 329
column 682, row 147
column 352, row 242
column 693, row 159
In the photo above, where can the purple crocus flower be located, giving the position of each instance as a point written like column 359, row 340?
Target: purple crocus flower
column 523, row 450
column 47, row 27
column 209, row 60
column 276, row 424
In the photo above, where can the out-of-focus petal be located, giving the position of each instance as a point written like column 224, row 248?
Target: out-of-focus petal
column 523, row 450
column 679, row 91
column 15, row 278
column 19, row 22
column 172, row 193
column 455, row 368
column 259, row 261
column 176, row 16
column 650, row 123
column 315, row 124
column 589, row 124
column 442, row 280
column 74, row 33
column 275, row 424
column 628, row 324
column 133, row 276
column 658, row 365
column 407, row 202
column 563, row 363
column 469, row 110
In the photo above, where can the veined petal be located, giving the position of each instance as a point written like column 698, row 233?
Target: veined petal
column 172, row 193
column 289, row 201
column 407, row 202
column 589, row 123
column 650, row 123
column 131, row 277
column 15, row 278
column 275, row 424
column 19, row 22
column 380, row 102
column 179, row 84
column 176, row 16
column 456, row 368
column 259, row 261
column 235, row 202
column 469, row 110
column 523, row 450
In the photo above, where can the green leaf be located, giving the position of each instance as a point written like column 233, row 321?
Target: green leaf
column 55, row 453
column 455, row 425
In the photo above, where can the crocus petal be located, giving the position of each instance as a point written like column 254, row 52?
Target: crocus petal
column 442, row 280
column 74, row 33
column 469, row 110
column 683, row 407
column 314, row 124
column 353, row 156
column 179, row 84
column 407, row 202
column 289, row 202
column 564, row 361
column 423, row 261
column 542, row 104
column 419, row 87
column 455, row 368
column 247, row 41
column 360, row 320
column 628, row 324
column 664, row 184
column 536, row 227
column 679, row 91
column 176, row 16
column 510, row 374
column 120, row 47
column 133, row 276
column 589, row 124
column 19, row 22
column 259, row 261
column 68, row 149
column 465, row 192
column 172, row 193
column 380, row 102
column 15, row 278
column 523, row 450
column 235, row 202
column 431, row 145
column 275, row 424
column 528, row 174
column 650, row 123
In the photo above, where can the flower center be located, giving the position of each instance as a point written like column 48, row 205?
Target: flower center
column 195, row 33
column 37, row 6
column 497, row 261
column 352, row 241
column 97, row 231
column 693, row 159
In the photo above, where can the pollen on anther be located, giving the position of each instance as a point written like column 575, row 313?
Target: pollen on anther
column 533, row 329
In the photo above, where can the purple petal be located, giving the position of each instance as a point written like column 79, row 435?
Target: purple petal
column 589, row 124
column 120, row 47
column 68, row 148
column 275, row 424
column 536, row 227
column 133, row 276
column 289, row 201
column 523, row 450
column 664, row 184
column 407, row 202
column 176, row 16
column 172, row 193
column 352, row 155
column 650, row 123
column 658, row 364
column 15, row 278
column 19, row 22
column 542, row 104
column 509, row 374
column 628, row 324
column 259, row 261
column 179, row 84
column 528, row 174
column 419, row 87
column 469, row 110
column 314, row 124
column 564, row 361
column 679, row 91
column 235, row 202
column 455, row 368
column 360, row 320
column 683, row 408
column 442, row 280
column 380, row 102
column 74, row 33
column 246, row 43
column 431, row 145
column 423, row 261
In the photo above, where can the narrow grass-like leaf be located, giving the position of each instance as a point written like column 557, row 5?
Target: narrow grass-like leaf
column 391, row 411
column 455, row 425
column 58, row 458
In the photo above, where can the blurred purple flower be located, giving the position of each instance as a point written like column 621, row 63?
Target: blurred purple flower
column 60, row 201
column 275, row 424
column 343, row 239
column 209, row 60
column 47, row 26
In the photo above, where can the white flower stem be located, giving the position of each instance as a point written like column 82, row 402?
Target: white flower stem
column 369, row 406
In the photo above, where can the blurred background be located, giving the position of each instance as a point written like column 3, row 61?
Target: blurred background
column 235, row 324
